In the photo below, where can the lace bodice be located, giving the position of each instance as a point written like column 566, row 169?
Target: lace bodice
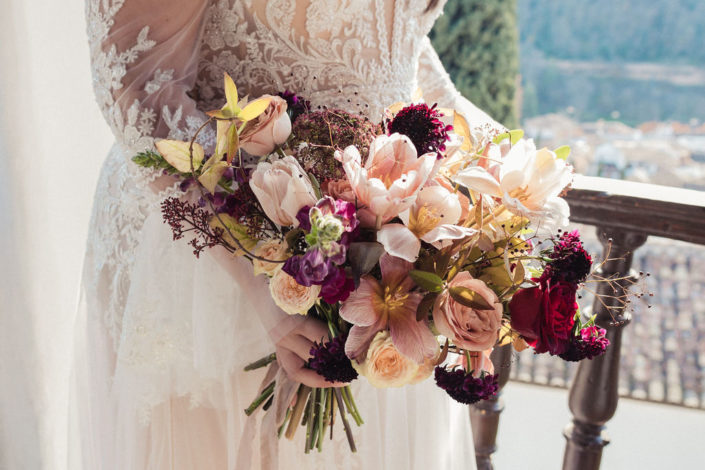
column 359, row 55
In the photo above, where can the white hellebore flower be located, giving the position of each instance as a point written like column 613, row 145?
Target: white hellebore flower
column 529, row 183
column 432, row 219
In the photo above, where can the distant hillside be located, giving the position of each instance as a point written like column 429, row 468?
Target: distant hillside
column 670, row 31
column 635, row 60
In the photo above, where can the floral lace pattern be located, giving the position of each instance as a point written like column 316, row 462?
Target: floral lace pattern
column 362, row 59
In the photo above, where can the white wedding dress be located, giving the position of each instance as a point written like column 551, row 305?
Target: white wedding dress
column 163, row 336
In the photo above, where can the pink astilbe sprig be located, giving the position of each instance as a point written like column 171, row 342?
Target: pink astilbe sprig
column 185, row 217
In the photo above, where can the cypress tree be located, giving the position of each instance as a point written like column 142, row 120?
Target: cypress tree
column 477, row 41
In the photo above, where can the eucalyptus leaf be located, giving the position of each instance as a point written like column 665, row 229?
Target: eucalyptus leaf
column 426, row 280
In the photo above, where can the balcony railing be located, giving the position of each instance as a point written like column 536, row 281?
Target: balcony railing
column 624, row 214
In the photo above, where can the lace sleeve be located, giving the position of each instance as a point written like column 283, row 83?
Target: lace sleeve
column 144, row 58
column 438, row 88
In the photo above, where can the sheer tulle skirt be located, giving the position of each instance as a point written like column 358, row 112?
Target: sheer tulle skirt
column 168, row 391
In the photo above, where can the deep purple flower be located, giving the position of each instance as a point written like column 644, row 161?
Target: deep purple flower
column 590, row 344
column 329, row 360
column 295, row 105
column 303, row 218
column 337, row 287
column 463, row 387
column 569, row 260
column 423, row 126
column 309, row 269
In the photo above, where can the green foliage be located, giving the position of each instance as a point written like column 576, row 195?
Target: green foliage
column 150, row 159
column 477, row 41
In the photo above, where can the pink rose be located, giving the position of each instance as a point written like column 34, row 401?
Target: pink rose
column 291, row 296
column 269, row 129
column 468, row 328
column 282, row 187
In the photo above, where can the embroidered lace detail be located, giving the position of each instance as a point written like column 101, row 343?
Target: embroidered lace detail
column 361, row 59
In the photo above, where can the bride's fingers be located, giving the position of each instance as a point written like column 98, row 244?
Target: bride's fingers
column 296, row 369
column 314, row 330
column 300, row 345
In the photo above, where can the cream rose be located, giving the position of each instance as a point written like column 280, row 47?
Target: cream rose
column 384, row 366
column 291, row 296
column 468, row 328
column 269, row 129
column 282, row 187
column 271, row 249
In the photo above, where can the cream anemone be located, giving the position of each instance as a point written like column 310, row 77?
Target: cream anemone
column 376, row 306
column 432, row 219
column 391, row 177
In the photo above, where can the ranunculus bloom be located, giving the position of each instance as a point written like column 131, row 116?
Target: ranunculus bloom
column 271, row 249
column 375, row 306
column 282, row 188
column 544, row 315
column 384, row 366
column 432, row 219
column 339, row 189
column 291, row 296
column 391, row 177
column 269, row 129
column 528, row 183
column 468, row 328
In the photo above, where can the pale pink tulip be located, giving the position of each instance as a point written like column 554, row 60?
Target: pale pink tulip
column 389, row 304
column 391, row 177
column 282, row 187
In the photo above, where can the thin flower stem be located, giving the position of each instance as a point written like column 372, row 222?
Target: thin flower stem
column 320, row 423
column 263, row 362
column 266, row 393
column 297, row 413
column 352, row 407
column 310, row 410
column 346, row 425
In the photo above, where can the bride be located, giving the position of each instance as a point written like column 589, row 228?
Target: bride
column 163, row 337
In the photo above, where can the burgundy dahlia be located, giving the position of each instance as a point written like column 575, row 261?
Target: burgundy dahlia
column 329, row 361
column 423, row 126
column 463, row 387
column 570, row 262
column 590, row 344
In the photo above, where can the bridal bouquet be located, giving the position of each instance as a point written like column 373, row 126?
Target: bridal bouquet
column 420, row 242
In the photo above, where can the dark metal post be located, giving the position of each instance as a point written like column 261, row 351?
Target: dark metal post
column 484, row 416
column 593, row 394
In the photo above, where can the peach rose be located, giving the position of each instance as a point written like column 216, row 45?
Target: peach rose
column 384, row 366
column 269, row 129
column 468, row 328
column 271, row 249
column 282, row 187
column 291, row 296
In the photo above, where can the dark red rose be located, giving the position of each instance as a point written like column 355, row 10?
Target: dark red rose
column 544, row 315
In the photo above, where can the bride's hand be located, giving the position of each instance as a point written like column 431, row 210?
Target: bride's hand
column 293, row 352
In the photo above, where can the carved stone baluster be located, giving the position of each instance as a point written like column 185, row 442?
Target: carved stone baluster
column 593, row 394
column 484, row 416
